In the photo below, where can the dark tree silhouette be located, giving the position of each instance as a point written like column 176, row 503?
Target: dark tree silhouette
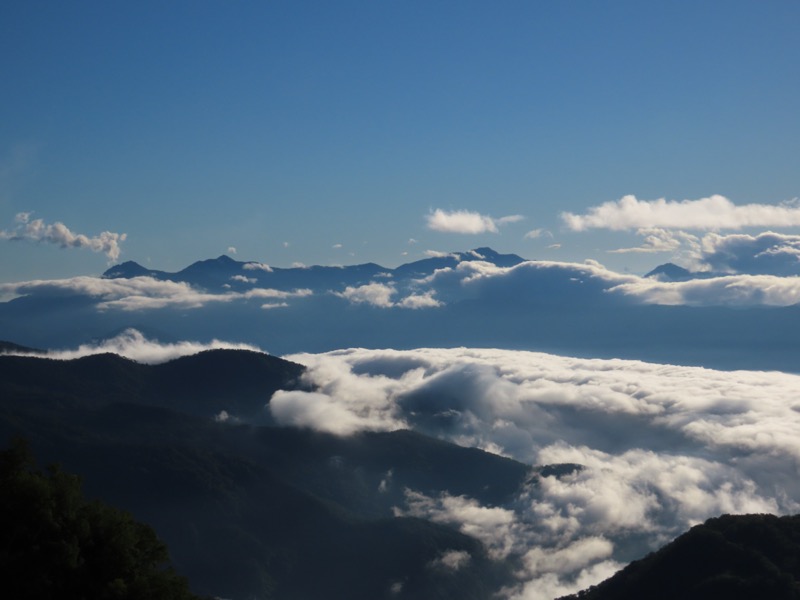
column 56, row 544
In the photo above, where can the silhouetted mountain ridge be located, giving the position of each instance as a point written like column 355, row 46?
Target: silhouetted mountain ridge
column 742, row 557
column 252, row 511
column 224, row 271
column 237, row 381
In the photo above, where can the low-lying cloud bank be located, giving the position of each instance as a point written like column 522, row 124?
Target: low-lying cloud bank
column 135, row 346
column 529, row 283
column 713, row 213
column 574, row 283
column 661, row 447
column 141, row 293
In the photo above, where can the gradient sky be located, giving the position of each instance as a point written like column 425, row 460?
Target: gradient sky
column 329, row 132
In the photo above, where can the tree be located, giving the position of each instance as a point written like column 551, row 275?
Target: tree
column 56, row 544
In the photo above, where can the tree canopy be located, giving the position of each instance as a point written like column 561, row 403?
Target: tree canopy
column 58, row 544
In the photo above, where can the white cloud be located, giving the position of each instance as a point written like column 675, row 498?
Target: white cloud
column 662, row 447
column 732, row 290
column 243, row 279
column 271, row 305
column 712, row 213
column 415, row 301
column 37, row 230
column 491, row 525
column 580, row 284
column 451, row 560
column 133, row 345
column 439, row 254
column 656, row 240
column 140, row 293
column 765, row 253
column 534, row 234
column 509, row 219
column 231, row 250
column 376, row 294
column 380, row 295
column 257, row 266
column 467, row 222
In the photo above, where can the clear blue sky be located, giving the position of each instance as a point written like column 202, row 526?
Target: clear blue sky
column 197, row 126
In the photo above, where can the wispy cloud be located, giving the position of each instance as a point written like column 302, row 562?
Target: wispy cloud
column 133, row 345
column 731, row 290
column 534, row 234
column 36, row 230
column 491, row 525
column 141, row 293
column 257, row 266
column 466, row 222
column 713, row 213
column 451, row 560
column 381, row 294
column 439, row 254
column 243, row 279
column 656, row 240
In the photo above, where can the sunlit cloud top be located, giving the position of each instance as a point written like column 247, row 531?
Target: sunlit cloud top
column 712, row 213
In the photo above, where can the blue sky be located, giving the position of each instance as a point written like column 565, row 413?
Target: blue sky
column 286, row 129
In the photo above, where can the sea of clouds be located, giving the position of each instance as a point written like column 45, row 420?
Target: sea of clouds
column 662, row 447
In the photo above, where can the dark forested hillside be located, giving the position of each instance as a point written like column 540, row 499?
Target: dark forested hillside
column 237, row 381
column 744, row 557
column 248, row 510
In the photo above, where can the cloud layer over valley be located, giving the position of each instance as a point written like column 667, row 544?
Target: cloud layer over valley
column 659, row 447
column 624, row 455
column 135, row 346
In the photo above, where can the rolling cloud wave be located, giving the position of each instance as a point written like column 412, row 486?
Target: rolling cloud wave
column 661, row 447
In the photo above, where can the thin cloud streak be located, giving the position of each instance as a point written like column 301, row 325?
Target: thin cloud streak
column 135, row 346
column 141, row 293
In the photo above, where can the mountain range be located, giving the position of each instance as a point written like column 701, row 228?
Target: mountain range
column 476, row 298
column 224, row 272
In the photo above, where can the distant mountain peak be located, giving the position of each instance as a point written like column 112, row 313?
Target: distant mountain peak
column 127, row 270
column 672, row 272
column 485, row 251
